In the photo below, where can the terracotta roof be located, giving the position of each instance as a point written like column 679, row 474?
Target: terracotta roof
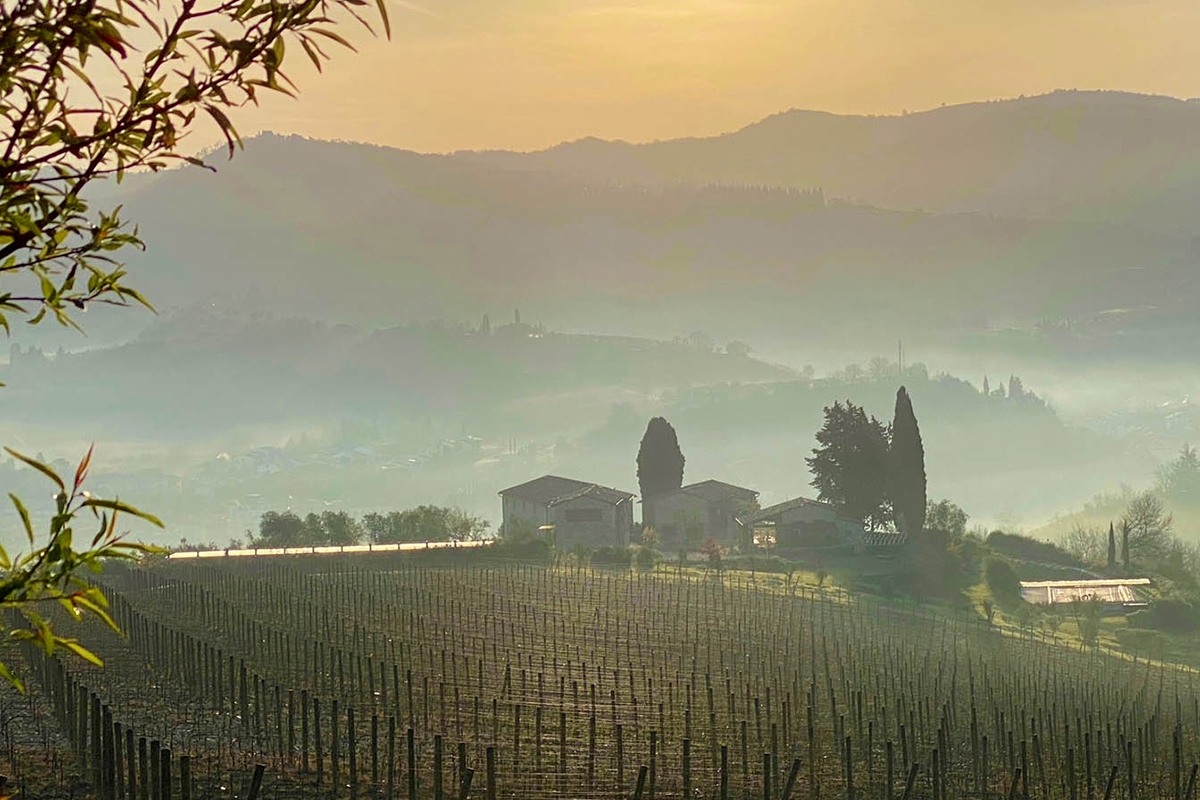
column 785, row 506
column 602, row 493
column 549, row 490
column 717, row 490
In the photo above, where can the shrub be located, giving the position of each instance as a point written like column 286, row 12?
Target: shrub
column 1173, row 616
column 1002, row 579
column 1141, row 641
column 535, row 550
column 760, row 564
column 619, row 557
column 645, row 558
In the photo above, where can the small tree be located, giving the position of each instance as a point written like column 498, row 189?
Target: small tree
column 279, row 529
column 947, row 517
column 1180, row 479
column 1149, row 526
column 711, row 550
column 1087, row 615
column 341, row 528
column 651, row 538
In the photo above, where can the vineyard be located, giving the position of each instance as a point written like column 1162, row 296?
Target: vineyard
column 401, row 677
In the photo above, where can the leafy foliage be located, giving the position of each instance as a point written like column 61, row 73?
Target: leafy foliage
column 1179, row 480
column 1087, row 615
column 850, row 465
column 947, row 517
column 58, row 256
column 608, row 556
column 53, row 573
column 199, row 58
column 645, row 558
column 420, row 524
column 1002, row 580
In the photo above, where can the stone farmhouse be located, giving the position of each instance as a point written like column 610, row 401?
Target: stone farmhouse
column 698, row 511
column 803, row 523
column 575, row 513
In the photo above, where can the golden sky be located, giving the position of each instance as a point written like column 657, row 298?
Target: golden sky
column 526, row 74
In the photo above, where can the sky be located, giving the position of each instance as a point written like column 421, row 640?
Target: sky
column 527, row 74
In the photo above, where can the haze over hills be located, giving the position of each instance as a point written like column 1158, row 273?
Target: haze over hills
column 1109, row 156
column 667, row 238
column 1055, row 276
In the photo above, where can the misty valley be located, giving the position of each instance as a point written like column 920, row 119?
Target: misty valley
column 839, row 455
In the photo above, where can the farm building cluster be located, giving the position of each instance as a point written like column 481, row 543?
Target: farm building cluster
column 578, row 513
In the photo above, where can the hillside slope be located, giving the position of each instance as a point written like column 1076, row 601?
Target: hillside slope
column 369, row 235
column 1068, row 155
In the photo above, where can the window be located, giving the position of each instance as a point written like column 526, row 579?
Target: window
column 584, row 515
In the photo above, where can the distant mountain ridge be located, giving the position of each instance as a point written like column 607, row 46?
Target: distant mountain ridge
column 1086, row 155
column 743, row 235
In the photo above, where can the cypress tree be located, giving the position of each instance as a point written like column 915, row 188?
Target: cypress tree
column 1112, row 547
column 659, row 464
column 907, row 484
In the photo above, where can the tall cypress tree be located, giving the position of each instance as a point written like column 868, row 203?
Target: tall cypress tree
column 907, row 484
column 659, row 463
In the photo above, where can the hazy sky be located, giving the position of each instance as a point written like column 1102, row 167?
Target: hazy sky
column 526, row 74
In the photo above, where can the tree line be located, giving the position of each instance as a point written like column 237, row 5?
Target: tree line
column 424, row 523
column 872, row 471
column 865, row 469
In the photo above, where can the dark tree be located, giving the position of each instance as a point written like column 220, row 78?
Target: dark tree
column 907, row 485
column 279, row 530
column 850, row 465
column 1125, row 527
column 341, row 528
column 1112, row 547
column 659, row 460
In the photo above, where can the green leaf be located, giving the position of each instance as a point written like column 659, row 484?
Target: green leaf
column 117, row 505
column 39, row 466
column 24, row 518
column 81, row 651
column 12, row 679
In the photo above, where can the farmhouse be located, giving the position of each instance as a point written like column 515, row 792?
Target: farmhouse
column 1113, row 592
column 578, row 512
column 698, row 511
column 801, row 522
